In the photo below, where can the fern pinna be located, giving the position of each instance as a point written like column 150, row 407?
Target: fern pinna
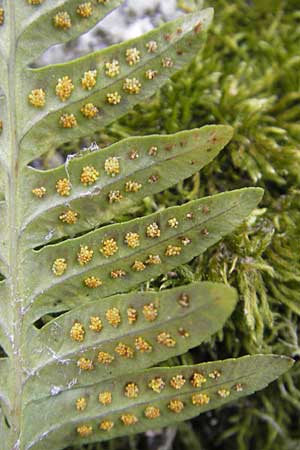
column 86, row 374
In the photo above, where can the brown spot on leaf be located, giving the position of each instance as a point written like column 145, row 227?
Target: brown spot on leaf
column 198, row 28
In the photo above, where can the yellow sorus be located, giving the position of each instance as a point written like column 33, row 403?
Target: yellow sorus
column 138, row 266
column 89, row 111
column 132, row 239
column 133, row 56
column 84, row 430
column 37, row 98
column 185, row 240
column 184, row 333
column 112, row 166
column 105, row 398
column 89, row 79
column 112, row 69
column 215, row 374
column 106, row 425
column 129, row 419
column 152, row 151
column 131, row 390
column 113, row 98
column 223, row 393
column 39, row 192
column 178, row 381
column 95, row 324
column 153, row 230
column 153, row 260
column 84, row 255
column 173, row 222
column 132, row 86
column 132, row 315
column 59, row 266
column 113, row 317
column 157, row 384
column 167, row 63
column 77, row 332
column 133, row 154
column 81, row 404
column 166, row 339
column 70, row 217
column 84, row 9
column 173, row 250
column 2, row 16
column 142, row 345
column 89, row 175
column 184, row 300
column 85, row 364
column 119, row 273
column 62, row 20
column 35, row 2
column 68, row 121
column 124, row 350
column 151, row 74
column 239, row 387
column 150, row 312
column 105, row 358
column 200, row 399
column 63, row 187
column 176, row 406
column 133, row 186
column 152, row 412
column 152, row 46
column 153, row 179
column 115, row 196
column 109, row 247
column 93, row 282
column 64, row 88
column 197, row 379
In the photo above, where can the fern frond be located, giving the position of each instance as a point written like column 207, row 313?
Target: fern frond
column 62, row 261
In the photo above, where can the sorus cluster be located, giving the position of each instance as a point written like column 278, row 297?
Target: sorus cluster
column 110, row 245
column 173, row 382
column 111, row 68
column 113, row 317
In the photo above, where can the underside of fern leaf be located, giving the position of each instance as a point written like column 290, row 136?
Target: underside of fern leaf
column 89, row 373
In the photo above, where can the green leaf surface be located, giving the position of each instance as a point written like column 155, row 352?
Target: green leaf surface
column 198, row 225
column 225, row 381
column 189, row 314
column 172, row 158
column 177, row 41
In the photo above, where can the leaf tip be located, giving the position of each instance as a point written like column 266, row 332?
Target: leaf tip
column 208, row 14
column 254, row 194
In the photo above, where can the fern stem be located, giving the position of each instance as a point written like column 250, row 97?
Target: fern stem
column 14, row 300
